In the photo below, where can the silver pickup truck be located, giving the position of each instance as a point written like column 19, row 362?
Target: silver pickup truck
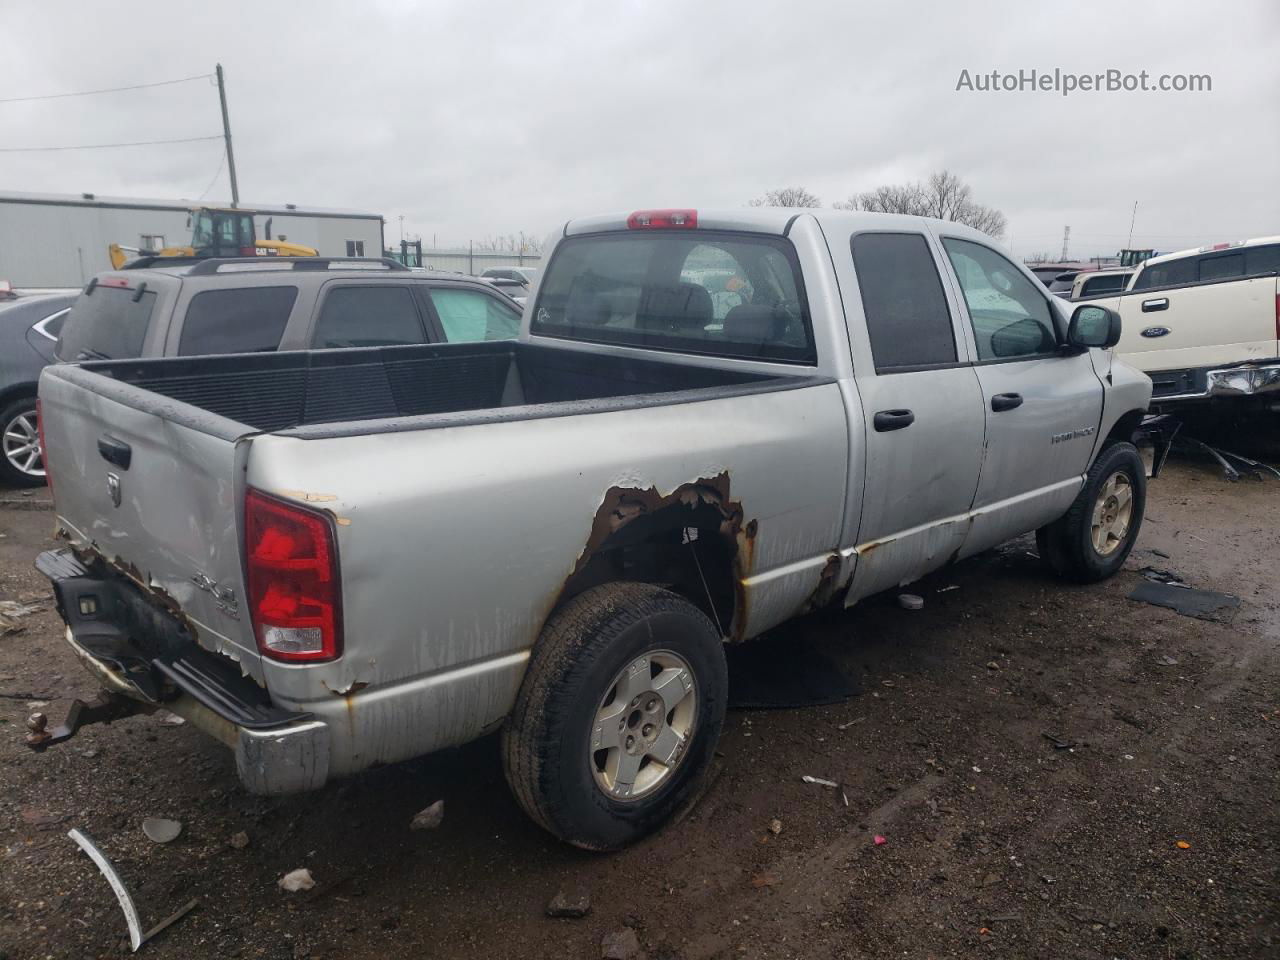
column 711, row 422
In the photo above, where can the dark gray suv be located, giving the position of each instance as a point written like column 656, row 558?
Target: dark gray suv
column 159, row 308
column 264, row 304
column 29, row 328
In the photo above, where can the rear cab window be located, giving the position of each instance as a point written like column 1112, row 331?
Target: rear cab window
column 243, row 320
column 109, row 321
column 1094, row 286
column 693, row 291
column 1167, row 274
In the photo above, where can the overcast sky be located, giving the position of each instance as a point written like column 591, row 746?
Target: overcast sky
column 475, row 119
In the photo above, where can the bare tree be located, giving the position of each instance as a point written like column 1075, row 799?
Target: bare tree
column 944, row 196
column 787, row 197
column 511, row 243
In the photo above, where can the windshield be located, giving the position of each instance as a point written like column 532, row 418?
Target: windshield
column 708, row 292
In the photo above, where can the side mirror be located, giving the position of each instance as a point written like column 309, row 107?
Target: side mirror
column 1022, row 338
column 1094, row 326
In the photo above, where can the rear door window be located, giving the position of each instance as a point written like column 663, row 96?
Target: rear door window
column 107, row 323
column 906, row 310
column 706, row 292
column 467, row 316
column 245, row 320
column 380, row 316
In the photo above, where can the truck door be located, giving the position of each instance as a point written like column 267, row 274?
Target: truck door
column 923, row 421
column 1042, row 407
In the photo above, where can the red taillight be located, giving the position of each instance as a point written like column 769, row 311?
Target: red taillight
column 663, row 220
column 44, row 447
column 294, row 595
column 248, row 251
column 122, row 282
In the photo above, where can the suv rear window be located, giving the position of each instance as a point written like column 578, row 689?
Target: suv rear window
column 244, row 320
column 107, row 323
column 695, row 291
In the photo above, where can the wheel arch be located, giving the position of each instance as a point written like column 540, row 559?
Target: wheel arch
column 693, row 541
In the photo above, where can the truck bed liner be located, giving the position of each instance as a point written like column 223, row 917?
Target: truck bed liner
column 278, row 391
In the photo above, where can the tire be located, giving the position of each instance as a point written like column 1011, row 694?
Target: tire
column 637, row 654
column 1070, row 545
column 20, row 464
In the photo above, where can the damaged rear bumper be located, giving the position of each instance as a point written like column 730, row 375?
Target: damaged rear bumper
column 145, row 657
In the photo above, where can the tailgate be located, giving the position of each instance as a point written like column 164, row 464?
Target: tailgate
column 1203, row 325
column 153, row 486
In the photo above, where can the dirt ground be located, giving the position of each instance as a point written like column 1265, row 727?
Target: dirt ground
column 999, row 840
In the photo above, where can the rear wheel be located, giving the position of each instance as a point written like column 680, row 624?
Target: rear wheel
column 1092, row 539
column 619, row 712
column 21, row 457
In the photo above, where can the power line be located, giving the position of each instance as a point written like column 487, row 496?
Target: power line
column 216, row 174
column 107, row 146
column 89, row 93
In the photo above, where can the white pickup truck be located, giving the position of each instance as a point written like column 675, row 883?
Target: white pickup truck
column 1205, row 323
column 711, row 422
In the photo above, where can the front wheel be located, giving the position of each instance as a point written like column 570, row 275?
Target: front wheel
column 1092, row 539
column 619, row 712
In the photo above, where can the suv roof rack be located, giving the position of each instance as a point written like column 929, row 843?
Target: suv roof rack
column 211, row 265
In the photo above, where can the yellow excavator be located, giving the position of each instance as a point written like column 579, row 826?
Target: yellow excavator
column 218, row 232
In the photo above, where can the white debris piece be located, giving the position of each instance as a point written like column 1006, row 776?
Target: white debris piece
column 819, row 781
column 428, row 819
column 160, row 830
column 296, row 880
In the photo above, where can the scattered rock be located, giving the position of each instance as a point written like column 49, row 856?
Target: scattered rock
column 775, row 826
column 574, row 905
column 239, row 840
column 990, row 880
column 620, row 945
column 428, row 819
column 296, row 880
column 160, row 830
column 42, row 819
column 993, row 665
column 910, row 601
column 169, row 719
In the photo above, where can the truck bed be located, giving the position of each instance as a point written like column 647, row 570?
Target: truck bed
column 462, row 383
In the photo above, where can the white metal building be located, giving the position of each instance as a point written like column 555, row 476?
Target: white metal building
column 61, row 240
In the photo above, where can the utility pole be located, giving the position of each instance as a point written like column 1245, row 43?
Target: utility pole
column 226, row 135
column 1132, row 220
column 402, row 229
column 1066, row 236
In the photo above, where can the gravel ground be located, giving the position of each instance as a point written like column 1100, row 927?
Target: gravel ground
column 998, row 839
